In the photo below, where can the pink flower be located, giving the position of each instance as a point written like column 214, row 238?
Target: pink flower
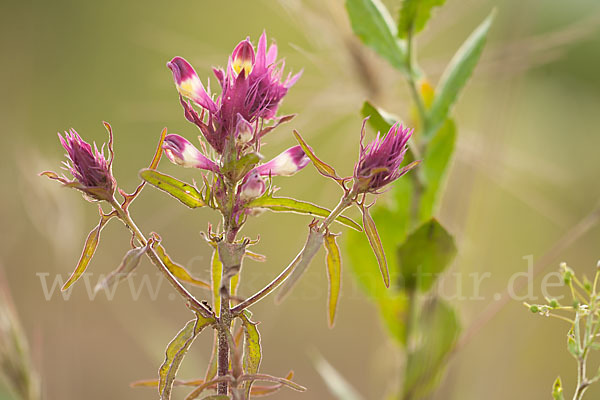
column 91, row 171
column 379, row 162
column 252, row 88
column 285, row 164
column 181, row 152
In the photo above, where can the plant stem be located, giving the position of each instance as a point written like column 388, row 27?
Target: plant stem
column 183, row 292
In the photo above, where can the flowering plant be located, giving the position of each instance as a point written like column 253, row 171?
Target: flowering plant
column 238, row 185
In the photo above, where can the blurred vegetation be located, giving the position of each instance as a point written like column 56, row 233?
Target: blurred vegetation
column 524, row 174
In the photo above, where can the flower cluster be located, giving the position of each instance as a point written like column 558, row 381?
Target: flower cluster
column 233, row 124
column 91, row 171
column 251, row 90
column 379, row 162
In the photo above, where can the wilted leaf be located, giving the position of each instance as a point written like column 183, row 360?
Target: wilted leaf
column 438, row 327
column 185, row 193
column 434, row 167
column 216, row 397
column 323, row 168
column 176, row 351
column 557, row 390
column 91, row 243
column 414, row 15
column 284, row 204
column 373, row 24
column 258, row 391
column 177, row 270
column 375, row 242
column 270, row 378
column 339, row 387
column 252, row 349
column 456, row 75
column 425, row 254
column 334, row 273
column 128, row 264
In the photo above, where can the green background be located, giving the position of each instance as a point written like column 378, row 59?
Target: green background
column 524, row 173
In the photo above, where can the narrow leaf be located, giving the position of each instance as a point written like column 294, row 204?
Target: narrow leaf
column 414, row 15
column 270, row 378
column 128, row 265
column 176, row 351
column 373, row 24
column 371, row 232
column 284, row 204
column 177, row 270
column 216, row 273
column 259, row 391
column 456, row 75
column 252, row 349
column 91, row 243
column 211, row 370
column 323, row 168
column 185, row 193
column 425, row 254
column 334, row 273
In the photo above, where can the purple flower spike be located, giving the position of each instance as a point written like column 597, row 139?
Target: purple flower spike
column 285, row 164
column 379, row 162
column 252, row 186
column 91, row 171
column 181, row 152
column 253, row 86
column 188, row 83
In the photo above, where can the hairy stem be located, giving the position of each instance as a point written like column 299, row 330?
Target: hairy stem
column 183, row 292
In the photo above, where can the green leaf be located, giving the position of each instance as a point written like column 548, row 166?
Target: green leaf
column 177, row 270
column 185, row 193
column 176, row 351
column 252, row 349
column 379, row 119
column 557, row 390
column 434, row 167
column 438, row 327
column 425, row 254
column 375, row 242
column 323, row 168
column 334, row 273
column 91, row 243
column 394, row 310
column 216, row 273
column 373, row 24
column 456, row 75
column 414, row 15
column 339, row 387
column 284, row 204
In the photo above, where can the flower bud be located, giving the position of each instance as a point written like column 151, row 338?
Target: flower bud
column 285, row 164
column 243, row 58
column 181, row 152
column 243, row 130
